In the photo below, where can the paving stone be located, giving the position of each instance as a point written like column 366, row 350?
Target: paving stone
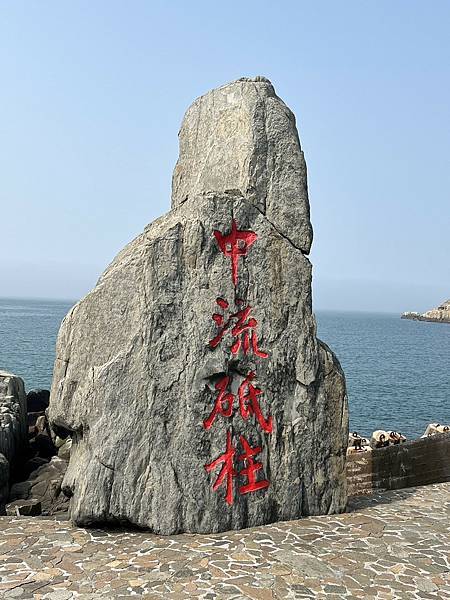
column 17, row 592
column 394, row 545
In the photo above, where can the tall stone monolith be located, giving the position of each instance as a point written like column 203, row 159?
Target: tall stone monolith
column 191, row 379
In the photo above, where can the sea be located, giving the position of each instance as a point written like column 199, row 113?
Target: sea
column 397, row 371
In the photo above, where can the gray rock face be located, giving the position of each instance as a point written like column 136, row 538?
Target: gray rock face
column 4, row 483
column 64, row 448
column 44, row 486
column 13, row 416
column 26, row 508
column 242, row 137
column 146, row 384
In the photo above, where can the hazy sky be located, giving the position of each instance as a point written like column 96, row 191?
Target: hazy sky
column 93, row 93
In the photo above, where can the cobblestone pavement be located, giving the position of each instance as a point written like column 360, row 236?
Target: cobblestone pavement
column 391, row 545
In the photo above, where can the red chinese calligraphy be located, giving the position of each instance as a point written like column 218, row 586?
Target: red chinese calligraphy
column 228, row 472
column 252, row 467
column 243, row 330
column 234, row 245
column 241, row 326
column 248, row 402
column 222, row 398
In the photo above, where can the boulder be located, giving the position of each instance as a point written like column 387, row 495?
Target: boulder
column 26, row 508
column 58, row 441
column 43, row 446
column 44, row 485
column 65, row 448
column 197, row 394
column 42, row 424
column 13, row 417
column 4, row 482
column 32, row 464
column 37, row 423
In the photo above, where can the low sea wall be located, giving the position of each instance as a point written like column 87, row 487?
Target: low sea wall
column 418, row 462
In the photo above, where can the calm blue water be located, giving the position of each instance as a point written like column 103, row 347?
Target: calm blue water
column 398, row 371
column 28, row 330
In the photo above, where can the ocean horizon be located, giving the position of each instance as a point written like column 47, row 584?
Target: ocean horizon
column 397, row 371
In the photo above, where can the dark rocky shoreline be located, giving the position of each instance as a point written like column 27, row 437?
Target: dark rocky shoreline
column 33, row 459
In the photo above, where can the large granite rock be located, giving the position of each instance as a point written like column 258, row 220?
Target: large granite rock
column 139, row 368
column 13, row 417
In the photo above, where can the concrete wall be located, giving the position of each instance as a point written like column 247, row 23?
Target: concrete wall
column 418, row 462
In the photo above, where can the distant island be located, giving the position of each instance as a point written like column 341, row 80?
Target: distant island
column 441, row 314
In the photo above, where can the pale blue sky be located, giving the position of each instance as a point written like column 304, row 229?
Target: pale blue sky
column 93, row 93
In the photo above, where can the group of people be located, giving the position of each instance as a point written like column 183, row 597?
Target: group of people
column 381, row 438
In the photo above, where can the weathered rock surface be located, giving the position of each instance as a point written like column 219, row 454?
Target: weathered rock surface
column 13, row 416
column 135, row 377
column 64, row 447
column 441, row 314
column 4, row 482
column 44, row 485
column 242, row 137
column 26, row 508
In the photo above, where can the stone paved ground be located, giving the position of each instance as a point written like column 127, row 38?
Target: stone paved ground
column 392, row 545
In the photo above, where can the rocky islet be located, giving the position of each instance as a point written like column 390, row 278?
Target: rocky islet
column 440, row 314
